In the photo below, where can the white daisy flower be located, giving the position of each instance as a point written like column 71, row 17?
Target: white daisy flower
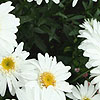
column 8, row 27
column 10, row 99
column 21, row 94
column 29, row 0
column 75, row 2
column 91, row 45
column 50, row 83
column 86, row 92
column 14, row 69
column 96, row 74
column 40, row 1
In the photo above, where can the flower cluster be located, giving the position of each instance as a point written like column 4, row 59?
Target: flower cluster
column 38, row 78
column 44, row 78
column 40, row 1
column 56, row 1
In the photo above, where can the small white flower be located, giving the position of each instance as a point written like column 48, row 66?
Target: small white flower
column 8, row 27
column 10, row 99
column 14, row 69
column 91, row 45
column 40, row 1
column 29, row 0
column 75, row 2
column 84, row 92
column 50, row 83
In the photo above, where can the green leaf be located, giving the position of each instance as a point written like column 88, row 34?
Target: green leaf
column 40, row 43
column 38, row 30
column 25, row 19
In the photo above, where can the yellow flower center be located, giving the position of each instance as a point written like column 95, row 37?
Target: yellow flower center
column 46, row 79
column 8, row 63
column 85, row 98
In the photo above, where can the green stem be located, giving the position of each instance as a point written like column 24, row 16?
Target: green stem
column 81, row 75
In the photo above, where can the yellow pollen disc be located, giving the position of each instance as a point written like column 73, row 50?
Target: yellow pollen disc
column 85, row 98
column 47, row 79
column 8, row 63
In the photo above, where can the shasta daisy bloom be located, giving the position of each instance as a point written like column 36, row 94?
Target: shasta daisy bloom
column 8, row 26
column 50, row 83
column 91, row 45
column 14, row 69
column 47, row 1
column 75, row 2
column 96, row 74
column 84, row 92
